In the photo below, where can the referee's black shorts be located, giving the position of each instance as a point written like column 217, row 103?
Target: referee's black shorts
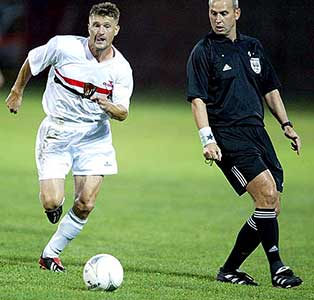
column 246, row 152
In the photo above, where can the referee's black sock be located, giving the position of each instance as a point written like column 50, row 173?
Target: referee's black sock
column 247, row 241
column 267, row 226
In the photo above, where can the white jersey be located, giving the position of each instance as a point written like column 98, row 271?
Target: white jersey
column 74, row 73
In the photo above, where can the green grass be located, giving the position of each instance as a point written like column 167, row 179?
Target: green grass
column 168, row 217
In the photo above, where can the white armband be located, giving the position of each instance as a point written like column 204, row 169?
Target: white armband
column 206, row 136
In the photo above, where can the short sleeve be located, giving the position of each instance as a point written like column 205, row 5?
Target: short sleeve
column 198, row 73
column 269, row 80
column 123, row 88
column 43, row 56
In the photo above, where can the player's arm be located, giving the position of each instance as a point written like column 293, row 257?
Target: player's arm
column 210, row 149
column 276, row 106
column 14, row 100
column 115, row 111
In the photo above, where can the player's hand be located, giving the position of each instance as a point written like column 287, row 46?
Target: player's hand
column 296, row 140
column 212, row 152
column 100, row 98
column 114, row 111
column 102, row 101
column 14, row 101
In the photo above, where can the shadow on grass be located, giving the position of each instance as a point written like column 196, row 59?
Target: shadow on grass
column 172, row 273
column 11, row 260
column 159, row 272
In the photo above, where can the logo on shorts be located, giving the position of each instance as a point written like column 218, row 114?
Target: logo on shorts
column 89, row 90
column 273, row 249
column 256, row 65
column 107, row 164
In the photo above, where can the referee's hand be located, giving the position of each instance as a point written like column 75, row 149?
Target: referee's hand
column 296, row 140
column 212, row 152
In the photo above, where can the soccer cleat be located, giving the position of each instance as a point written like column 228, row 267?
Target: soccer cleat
column 235, row 277
column 285, row 278
column 54, row 215
column 51, row 263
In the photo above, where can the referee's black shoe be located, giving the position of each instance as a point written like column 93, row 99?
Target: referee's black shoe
column 235, row 277
column 285, row 278
column 54, row 215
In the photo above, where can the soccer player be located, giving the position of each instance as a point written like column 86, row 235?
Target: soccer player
column 229, row 76
column 89, row 82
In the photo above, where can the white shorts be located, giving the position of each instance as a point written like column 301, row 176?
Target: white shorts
column 86, row 148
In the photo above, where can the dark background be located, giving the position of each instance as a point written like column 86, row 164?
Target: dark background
column 157, row 36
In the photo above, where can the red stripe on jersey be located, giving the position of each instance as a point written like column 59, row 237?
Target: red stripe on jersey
column 80, row 84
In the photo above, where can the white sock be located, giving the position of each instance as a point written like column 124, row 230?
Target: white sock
column 69, row 227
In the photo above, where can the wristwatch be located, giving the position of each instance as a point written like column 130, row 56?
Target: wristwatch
column 288, row 123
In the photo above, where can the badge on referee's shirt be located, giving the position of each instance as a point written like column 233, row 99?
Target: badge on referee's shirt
column 256, row 65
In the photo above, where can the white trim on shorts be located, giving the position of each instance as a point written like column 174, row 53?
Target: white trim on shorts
column 239, row 176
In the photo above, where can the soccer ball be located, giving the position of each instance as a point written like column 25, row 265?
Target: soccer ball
column 103, row 272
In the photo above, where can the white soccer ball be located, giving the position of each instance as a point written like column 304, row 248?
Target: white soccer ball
column 103, row 272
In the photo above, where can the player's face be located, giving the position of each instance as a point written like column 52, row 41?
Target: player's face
column 223, row 17
column 102, row 30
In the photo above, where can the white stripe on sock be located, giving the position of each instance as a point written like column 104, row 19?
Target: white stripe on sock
column 75, row 218
column 264, row 214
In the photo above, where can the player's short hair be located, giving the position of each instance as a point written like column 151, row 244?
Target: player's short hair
column 105, row 9
column 234, row 2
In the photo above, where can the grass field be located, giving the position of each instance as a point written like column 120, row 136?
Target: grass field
column 168, row 217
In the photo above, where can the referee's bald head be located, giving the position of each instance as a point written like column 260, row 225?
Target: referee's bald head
column 235, row 3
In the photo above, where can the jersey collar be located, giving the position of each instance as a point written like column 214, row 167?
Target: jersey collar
column 221, row 38
column 90, row 55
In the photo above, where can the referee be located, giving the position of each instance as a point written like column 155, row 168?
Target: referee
column 229, row 75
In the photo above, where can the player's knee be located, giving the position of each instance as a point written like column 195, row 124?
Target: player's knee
column 84, row 205
column 270, row 198
column 51, row 201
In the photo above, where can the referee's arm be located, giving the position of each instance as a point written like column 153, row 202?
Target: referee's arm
column 199, row 113
column 211, row 151
column 276, row 106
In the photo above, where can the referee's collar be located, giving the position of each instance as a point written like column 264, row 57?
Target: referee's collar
column 221, row 38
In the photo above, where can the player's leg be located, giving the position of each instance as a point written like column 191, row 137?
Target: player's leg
column 53, row 162
column 247, row 241
column 237, row 165
column 263, row 190
column 52, row 197
column 86, row 190
column 266, row 197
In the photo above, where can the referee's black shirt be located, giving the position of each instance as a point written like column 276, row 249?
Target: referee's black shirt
column 231, row 78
